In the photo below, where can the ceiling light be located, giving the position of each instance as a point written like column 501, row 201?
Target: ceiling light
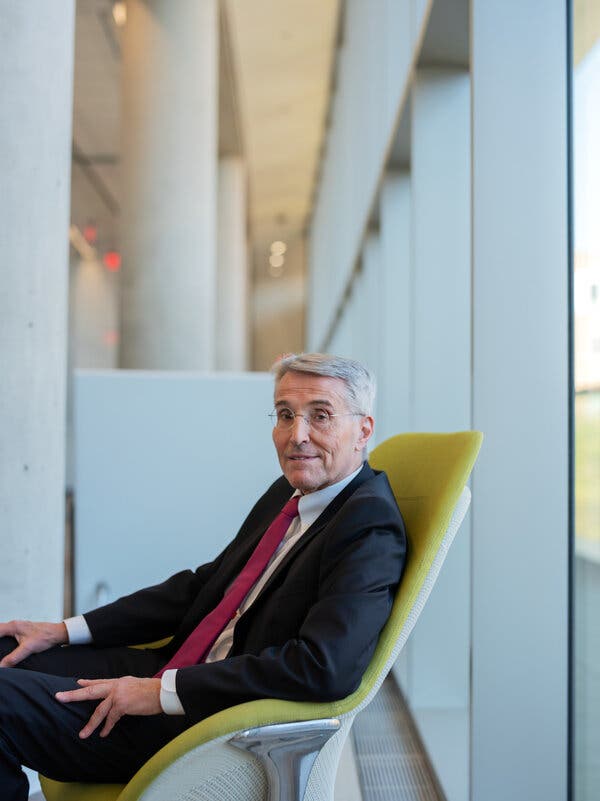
column 276, row 260
column 119, row 13
column 278, row 248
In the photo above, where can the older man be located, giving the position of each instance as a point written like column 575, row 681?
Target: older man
column 291, row 609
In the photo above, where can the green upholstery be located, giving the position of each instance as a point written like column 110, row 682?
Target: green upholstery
column 427, row 473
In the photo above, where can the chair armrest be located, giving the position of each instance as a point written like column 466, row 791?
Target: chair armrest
column 287, row 751
column 217, row 730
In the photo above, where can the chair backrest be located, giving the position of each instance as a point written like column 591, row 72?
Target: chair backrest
column 428, row 474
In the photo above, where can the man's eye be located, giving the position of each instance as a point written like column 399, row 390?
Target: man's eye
column 285, row 414
column 320, row 416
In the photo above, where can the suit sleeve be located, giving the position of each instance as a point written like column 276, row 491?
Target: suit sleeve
column 360, row 569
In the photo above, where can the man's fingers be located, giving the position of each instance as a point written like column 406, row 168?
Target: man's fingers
column 96, row 719
column 88, row 693
column 12, row 659
column 112, row 717
column 92, row 690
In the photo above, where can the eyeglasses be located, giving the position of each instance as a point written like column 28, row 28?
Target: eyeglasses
column 317, row 419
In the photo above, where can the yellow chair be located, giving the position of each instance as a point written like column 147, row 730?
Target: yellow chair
column 289, row 751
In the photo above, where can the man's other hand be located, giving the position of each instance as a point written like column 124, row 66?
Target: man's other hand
column 125, row 696
column 32, row 638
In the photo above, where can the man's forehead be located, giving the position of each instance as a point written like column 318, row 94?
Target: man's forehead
column 310, row 388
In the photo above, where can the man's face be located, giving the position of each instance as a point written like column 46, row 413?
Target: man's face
column 312, row 459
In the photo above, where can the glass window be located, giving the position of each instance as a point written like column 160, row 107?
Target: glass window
column 586, row 160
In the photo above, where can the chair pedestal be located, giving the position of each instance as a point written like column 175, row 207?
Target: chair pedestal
column 287, row 752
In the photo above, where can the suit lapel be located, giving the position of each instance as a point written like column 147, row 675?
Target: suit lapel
column 320, row 523
column 282, row 492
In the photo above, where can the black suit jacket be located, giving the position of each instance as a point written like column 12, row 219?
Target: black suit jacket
column 313, row 628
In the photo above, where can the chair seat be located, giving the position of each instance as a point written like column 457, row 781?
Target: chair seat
column 75, row 791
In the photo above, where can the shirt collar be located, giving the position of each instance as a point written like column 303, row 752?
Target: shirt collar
column 310, row 506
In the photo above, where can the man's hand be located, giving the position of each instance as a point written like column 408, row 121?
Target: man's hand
column 32, row 638
column 125, row 696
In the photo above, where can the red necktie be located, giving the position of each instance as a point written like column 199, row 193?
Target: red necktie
column 196, row 647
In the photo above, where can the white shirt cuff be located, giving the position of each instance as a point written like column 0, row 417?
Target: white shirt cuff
column 169, row 700
column 78, row 630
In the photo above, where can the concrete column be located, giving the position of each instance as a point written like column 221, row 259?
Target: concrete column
column 232, row 268
column 170, row 129
column 36, row 74
column 520, row 609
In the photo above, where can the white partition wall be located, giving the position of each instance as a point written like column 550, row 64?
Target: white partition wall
column 167, row 467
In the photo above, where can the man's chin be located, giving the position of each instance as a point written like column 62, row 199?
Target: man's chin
column 302, row 477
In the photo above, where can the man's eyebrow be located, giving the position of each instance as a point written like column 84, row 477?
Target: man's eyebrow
column 310, row 403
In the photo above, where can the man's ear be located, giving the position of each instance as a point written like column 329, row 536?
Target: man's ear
column 367, row 424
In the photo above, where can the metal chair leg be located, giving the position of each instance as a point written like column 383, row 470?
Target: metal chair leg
column 288, row 752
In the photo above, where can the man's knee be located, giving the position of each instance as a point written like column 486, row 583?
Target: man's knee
column 21, row 688
column 17, row 695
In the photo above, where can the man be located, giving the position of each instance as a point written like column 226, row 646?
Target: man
column 291, row 609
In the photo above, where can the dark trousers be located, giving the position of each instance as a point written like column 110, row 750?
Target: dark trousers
column 42, row 733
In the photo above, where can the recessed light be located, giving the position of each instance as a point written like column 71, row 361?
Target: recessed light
column 278, row 247
column 119, row 13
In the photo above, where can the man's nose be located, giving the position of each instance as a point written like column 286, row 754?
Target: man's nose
column 300, row 429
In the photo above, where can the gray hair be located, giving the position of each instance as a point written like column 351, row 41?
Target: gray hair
column 360, row 383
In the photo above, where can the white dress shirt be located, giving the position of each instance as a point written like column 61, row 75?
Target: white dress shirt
column 310, row 507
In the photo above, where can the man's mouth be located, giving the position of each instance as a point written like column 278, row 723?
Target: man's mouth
column 301, row 457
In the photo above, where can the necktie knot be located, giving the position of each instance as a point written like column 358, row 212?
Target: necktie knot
column 291, row 507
